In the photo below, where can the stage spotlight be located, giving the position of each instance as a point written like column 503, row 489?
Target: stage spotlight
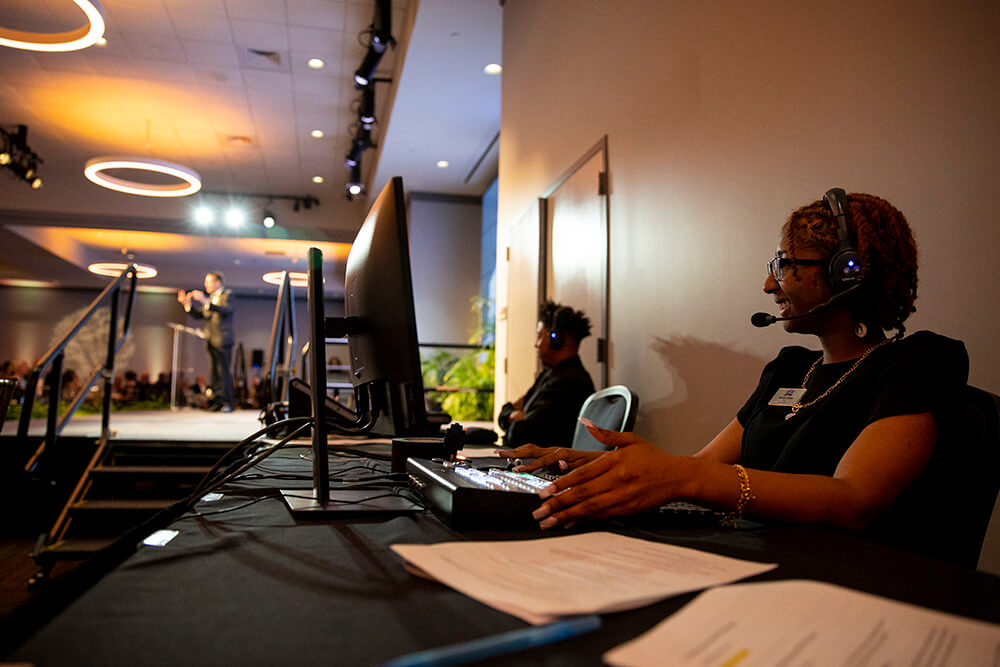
column 268, row 221
column 17, row 158
column 354, row 185
column 353, row 156
column 366, row 113
column 381, row 31
column 235, row 217
column 204, row 215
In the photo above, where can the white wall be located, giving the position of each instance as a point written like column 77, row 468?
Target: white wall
column 723, row 117
column 445, row 236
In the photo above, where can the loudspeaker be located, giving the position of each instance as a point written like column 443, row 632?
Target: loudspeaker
column 844, row 269
column 257, row 358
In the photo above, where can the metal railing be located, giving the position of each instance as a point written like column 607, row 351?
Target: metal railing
column 52, row 363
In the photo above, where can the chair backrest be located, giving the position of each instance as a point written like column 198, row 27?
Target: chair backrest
column 613, row 408
column 979, row 434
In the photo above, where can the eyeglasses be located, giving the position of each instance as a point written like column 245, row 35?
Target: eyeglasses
column 776, row 266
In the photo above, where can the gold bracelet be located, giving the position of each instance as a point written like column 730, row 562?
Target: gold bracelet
column 746, row 497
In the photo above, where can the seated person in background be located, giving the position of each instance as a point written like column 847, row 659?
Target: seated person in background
column 855, row 436
column 547, row 413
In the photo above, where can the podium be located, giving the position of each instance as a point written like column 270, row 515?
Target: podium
column 178, row 330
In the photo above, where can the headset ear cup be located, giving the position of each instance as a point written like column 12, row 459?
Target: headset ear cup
column 844, row 270
column 556, row 336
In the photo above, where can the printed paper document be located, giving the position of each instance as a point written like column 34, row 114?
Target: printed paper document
column 542, row 579
column 800, row 622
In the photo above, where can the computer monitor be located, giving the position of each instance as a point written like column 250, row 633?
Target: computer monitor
column 381, row 321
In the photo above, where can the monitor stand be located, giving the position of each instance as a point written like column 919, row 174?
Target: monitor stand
column 317, row 503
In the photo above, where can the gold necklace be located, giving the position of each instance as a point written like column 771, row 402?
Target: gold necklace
column 798, row 406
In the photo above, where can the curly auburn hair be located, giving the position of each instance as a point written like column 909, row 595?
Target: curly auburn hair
column 885, row 243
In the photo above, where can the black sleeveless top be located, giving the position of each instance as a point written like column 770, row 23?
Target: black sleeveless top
column 923, row 372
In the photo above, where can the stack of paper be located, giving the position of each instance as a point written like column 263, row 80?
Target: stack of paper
column 542, row 579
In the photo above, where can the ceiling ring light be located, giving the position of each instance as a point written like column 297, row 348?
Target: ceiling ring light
column 95, row 167
column 72, row 40
column 114, row 269
column 295, row 278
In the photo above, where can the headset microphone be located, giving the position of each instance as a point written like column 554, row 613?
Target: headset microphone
column 767, row 319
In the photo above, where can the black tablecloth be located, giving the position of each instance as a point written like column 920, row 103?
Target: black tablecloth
column 256, row 587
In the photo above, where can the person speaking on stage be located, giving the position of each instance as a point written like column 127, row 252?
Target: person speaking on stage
column 215, row 307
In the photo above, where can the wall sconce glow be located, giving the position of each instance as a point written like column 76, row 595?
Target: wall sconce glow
column 190, row 180
column 296, row 278
column 493, row 68
column 316, row 134
column 442, row 164
column 235, row 217
column 72, row 40
column 317, row 179
column 316, row 63
column 114, row 269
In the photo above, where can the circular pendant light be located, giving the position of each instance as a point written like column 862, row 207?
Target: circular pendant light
column 295, row 278
column 72, row 40
column 114, row 269
column 190, row 181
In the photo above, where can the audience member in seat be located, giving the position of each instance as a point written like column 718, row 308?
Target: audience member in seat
column 854, row 435
column 547, row 413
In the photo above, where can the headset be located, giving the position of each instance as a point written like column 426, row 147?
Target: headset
column 844, row 269
column 557, row 335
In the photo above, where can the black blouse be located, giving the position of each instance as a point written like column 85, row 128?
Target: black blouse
column 923, row 372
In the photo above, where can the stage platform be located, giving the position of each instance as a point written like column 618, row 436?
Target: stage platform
column 184, row 424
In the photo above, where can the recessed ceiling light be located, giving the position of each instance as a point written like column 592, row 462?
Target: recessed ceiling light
column 316, row 134
column 317, row 179
column 71, row 40
column 493, row 68
column 316, row 63
column 442, row 164
column 95, row 168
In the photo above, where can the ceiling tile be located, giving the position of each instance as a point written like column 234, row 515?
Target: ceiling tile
column 272, row 81
column 195, row 8
column 258, row 35
column 202, row 28
column 328, row 14
column 210, row 53
column 270, row 11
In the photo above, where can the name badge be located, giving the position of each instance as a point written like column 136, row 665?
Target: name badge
column 787, row 397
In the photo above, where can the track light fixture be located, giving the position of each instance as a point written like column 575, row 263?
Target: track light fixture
column 16, row 157
column 366, row 112
column 381, row 37
column 354, row 184
column 236, row 208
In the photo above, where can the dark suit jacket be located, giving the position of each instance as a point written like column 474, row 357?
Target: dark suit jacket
column 218, row 315
column 551, row 407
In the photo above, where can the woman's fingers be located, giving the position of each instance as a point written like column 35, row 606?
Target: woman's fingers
column 609, row 438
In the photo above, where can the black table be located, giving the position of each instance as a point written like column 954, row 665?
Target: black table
column 256, row 587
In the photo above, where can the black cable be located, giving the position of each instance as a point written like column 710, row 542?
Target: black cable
column 195, row 515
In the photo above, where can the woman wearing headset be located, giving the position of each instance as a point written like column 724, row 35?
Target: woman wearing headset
column 850, row 437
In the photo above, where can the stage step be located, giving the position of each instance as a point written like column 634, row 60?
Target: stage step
column 74, row 549
column 153, row 471
column 117, row 505
column 132, row 481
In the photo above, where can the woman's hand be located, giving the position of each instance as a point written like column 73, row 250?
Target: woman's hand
column 562, row 458
column 635, row 477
